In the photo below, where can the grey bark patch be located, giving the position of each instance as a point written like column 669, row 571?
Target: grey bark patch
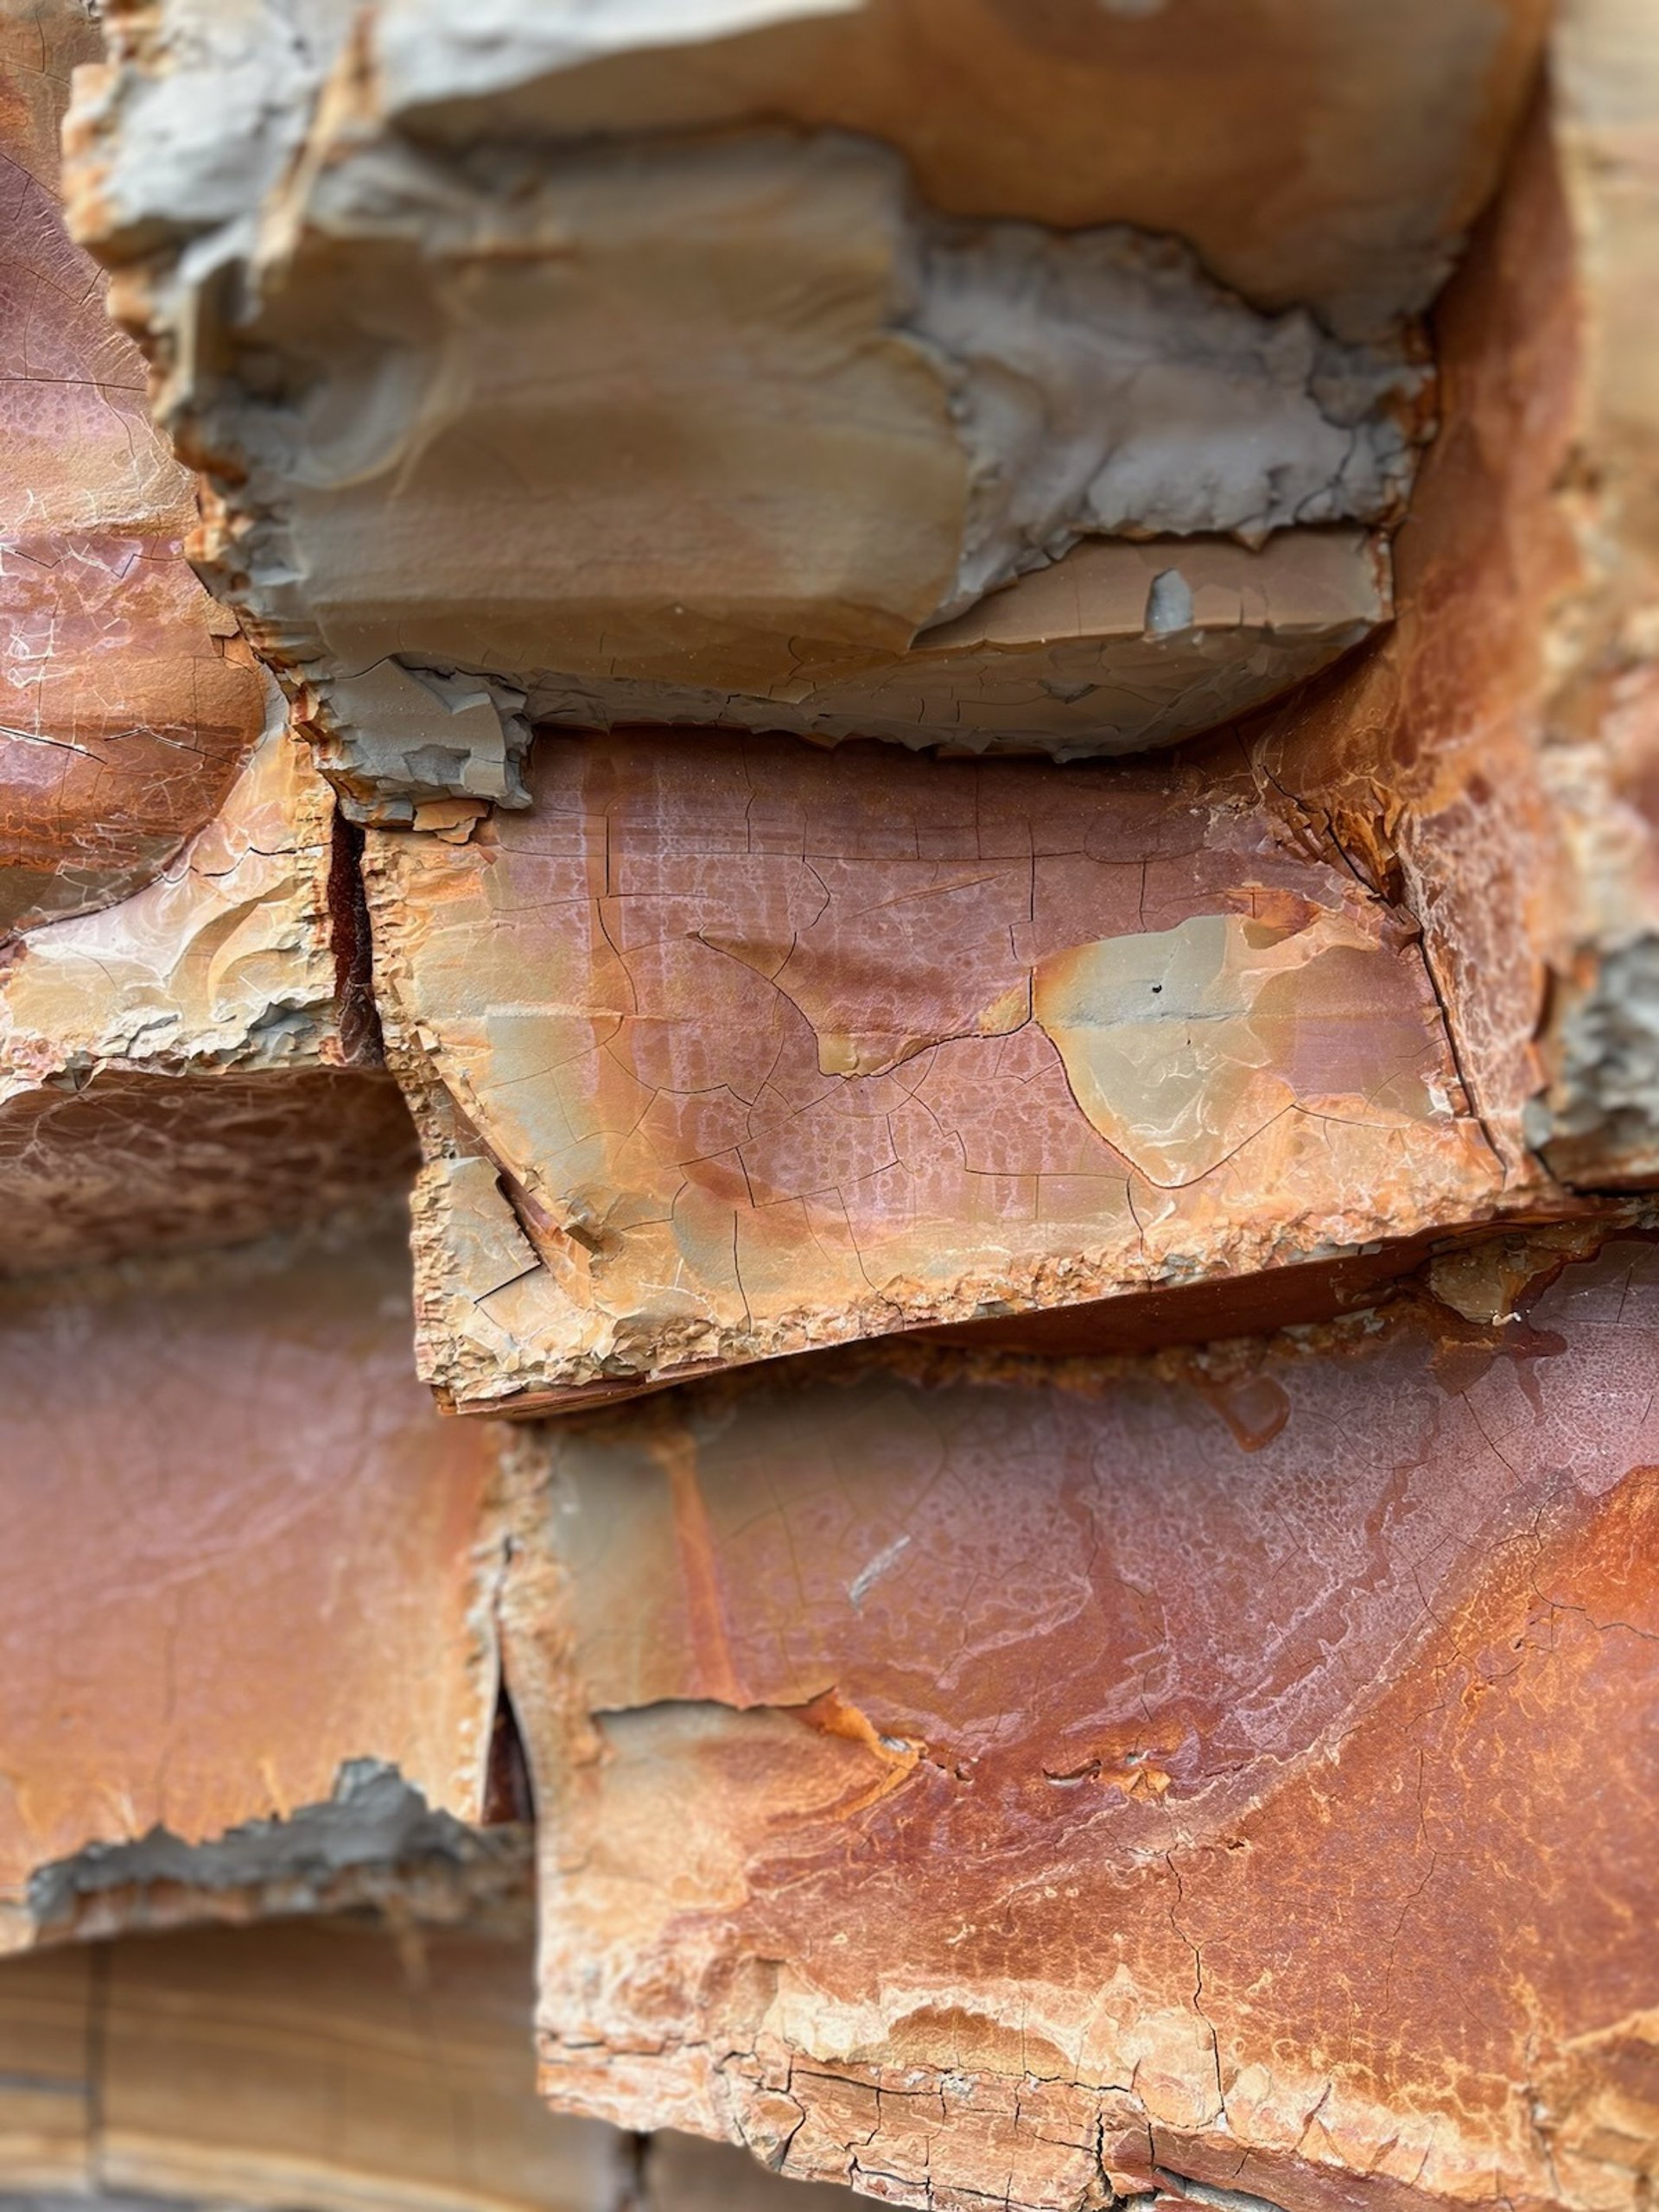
column 404, row 734
column 373, row 1818
column 1600, row 1121
column 1169, row 604
column 1103, row 384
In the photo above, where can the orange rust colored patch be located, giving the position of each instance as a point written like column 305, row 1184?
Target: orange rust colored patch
column 774, row 1048
column 1295, row 1789
column 126, row 700
column 243, row 1551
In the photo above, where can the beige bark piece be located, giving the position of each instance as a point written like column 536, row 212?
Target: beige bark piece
column 712, row 427
column 1227, row 1775
column 1116, row 648
column 1000, row 109
column 719, row 1052
column 249, row 1653
column 1203, row 105
column 317, row 2065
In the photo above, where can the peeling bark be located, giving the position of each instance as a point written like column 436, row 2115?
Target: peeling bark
column 937, row 717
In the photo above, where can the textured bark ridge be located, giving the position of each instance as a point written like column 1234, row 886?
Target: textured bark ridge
column 921, row 732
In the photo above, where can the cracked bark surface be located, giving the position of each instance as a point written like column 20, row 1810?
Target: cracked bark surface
column 1159, row 1703
column 958, row 1788
column 811, row 1055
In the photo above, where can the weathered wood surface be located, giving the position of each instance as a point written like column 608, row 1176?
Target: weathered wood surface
column 542, row 375
column 1018, row 1783
column 1167, row 1709
column 316, row 2067
column 773, row 1048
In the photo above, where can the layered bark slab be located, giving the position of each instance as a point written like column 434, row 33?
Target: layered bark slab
column 272, row 1675
column 185, row 1067
column 993, row 1788
column 817, row 395
column 318, row 2066
column 126, row 699
column 723, row 1051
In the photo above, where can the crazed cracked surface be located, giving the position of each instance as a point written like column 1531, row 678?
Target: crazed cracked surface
column 998, row 1792
column 126, row 699
column 225, row 961
column 769, row 1055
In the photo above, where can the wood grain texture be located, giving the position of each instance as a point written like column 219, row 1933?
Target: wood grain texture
column 327, row 2066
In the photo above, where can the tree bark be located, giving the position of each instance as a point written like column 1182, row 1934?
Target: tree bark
column 899, row 797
